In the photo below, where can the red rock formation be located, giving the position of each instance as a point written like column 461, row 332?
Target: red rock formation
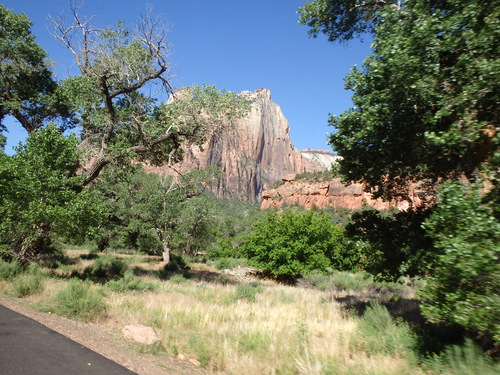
column 252, row 152
column 326, row 194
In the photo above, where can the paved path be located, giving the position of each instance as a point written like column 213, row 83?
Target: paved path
column 28, row 347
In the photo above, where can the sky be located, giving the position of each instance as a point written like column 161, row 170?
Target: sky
column 233, row 44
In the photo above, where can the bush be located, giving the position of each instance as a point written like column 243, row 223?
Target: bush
column 78, row 300
column 176, row 264
column 248, row 291
column 106, row 267
column 296, row 243
column 340, row 280
column 130, row 282
column 463, row 360
column 28, row 284
column 9, row 270
column 379, row 334
column 463, row 287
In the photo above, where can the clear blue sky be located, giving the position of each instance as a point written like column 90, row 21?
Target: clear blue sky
column 233, row 44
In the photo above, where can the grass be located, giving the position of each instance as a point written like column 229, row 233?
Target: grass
column 28, row 284
column 80, row 300
column 251, row 327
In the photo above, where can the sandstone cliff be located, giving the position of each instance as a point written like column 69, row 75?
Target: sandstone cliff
column 324, row 158
column 329, row 194
column 252, row 152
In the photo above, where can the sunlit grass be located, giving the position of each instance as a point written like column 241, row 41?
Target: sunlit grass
column 238, row 327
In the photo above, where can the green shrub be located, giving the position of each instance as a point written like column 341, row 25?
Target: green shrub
column 78, row 300
column 296, row 243
column 178, row 279
column 340, row 280
column 9, row 270
column 378, row 333
column 28, row 284
column 130, row 282
column 463, row 287
column 462, row 360
column 176, row 264
column 248, row 291
column 107, row 267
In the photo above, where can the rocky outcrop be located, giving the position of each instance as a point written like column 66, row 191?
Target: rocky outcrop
column 322, row 157
column 328, row 194
column 252, row 152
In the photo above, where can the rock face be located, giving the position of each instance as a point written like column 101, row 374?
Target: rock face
column 324, row 158
column 327, row 194
column 252, row 152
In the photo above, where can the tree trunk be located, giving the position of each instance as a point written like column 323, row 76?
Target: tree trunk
column 166, row 252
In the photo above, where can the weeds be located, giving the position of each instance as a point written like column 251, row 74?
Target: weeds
column 28, row 284
column 463, row 360
column 178, row 279
column 378, row 333
column 130, row 282
column 107, row 267
column 78, row 300
column 230, row 263
column 9, row 270
column 248, row 291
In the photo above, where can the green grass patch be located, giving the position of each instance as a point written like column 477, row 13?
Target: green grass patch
column 378, row 333
column 28, row 284
column 79, row 300
column 248, row 291
column 9, row 270
column 130, row 283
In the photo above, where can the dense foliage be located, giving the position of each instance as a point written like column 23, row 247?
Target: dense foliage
column 296, row 243
column 28, row 91
column 154, row 214
column 391, row 244
column 39, row 195
column 464, row 285
column 426, row 100
column 426, row 110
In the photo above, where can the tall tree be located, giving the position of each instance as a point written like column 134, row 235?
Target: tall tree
column 39, row 195
column 143, row 205
column 118, row 67
column 426, row 108
column 426, row 100
column 28, row 91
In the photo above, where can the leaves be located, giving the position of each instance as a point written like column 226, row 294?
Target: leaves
column 464, row 286
column 27, row 89
column 40, row 194
column 292, row 244
column 422, row 99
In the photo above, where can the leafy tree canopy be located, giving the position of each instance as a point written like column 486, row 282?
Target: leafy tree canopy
column 157, row 213
column 120, row 121
column 464, row 285
column 342, row 20
column 39, row 195
column 27, row 90
column 295, row 243
column 426, row 100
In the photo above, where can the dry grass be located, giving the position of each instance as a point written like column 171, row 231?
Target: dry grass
column 286, row 330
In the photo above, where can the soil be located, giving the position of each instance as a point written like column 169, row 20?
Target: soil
column 105, row 341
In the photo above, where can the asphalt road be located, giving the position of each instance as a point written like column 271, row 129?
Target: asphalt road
column 28, row 347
